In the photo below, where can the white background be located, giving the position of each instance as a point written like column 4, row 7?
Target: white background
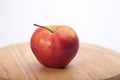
column 95, row 21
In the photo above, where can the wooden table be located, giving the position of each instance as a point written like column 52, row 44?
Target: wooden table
column 92, row 62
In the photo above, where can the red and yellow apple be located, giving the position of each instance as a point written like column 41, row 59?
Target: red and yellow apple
column 54, row 46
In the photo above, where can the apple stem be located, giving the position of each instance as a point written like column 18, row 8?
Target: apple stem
column 43, row 27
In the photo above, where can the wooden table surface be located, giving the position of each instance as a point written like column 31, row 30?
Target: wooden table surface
column 92, row 62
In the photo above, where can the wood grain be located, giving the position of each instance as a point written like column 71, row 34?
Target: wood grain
column 92, row 62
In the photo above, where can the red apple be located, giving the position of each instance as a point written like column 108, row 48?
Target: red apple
column 54, row 46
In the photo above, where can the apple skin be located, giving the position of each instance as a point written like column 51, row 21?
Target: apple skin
column 55, row 49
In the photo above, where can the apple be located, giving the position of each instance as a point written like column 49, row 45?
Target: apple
column 54, row 46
